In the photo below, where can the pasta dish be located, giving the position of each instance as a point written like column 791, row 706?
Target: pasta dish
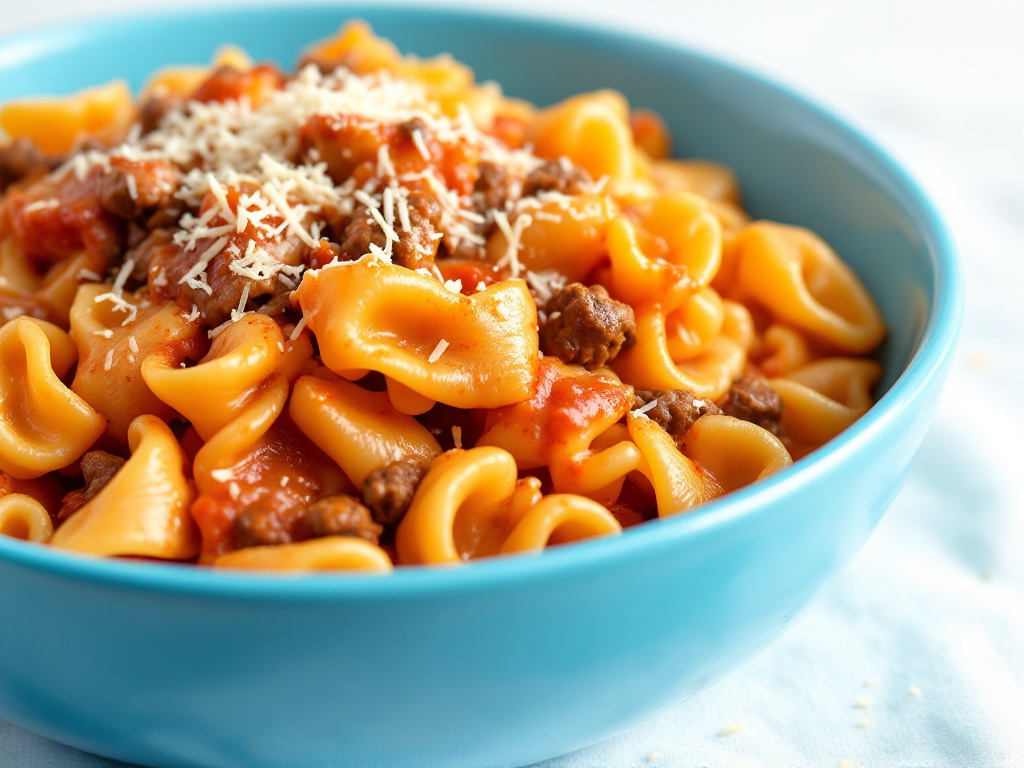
column 376, row 313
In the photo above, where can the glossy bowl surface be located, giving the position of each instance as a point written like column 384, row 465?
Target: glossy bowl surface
column 513, row 660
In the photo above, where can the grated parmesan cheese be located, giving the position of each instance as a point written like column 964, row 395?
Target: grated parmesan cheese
column 421, row 146
column 442, row 345
column 642, row 411
column 222, row 475
column 236, row 314
column 297, row 331
column 41, row 205
column 457, row 436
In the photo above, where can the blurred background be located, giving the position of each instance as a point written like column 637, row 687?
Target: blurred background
column 915, row 655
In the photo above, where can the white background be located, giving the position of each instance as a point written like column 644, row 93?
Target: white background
column 936, row 599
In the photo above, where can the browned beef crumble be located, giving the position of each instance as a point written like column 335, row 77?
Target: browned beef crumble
column 586, row 326
column 556, row 176
column 676, row 410
column 21, row 159
column 752, row 399
column 339, row 515
column 153, row 110
column 358, row 234
column 154, row 183
column 98, row 469
column 417, row 249
column 388, row 491
column 260, row 525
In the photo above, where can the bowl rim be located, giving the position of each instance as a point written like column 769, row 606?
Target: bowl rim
column 928, row 361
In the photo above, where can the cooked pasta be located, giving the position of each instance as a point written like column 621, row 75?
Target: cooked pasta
column 374, row 314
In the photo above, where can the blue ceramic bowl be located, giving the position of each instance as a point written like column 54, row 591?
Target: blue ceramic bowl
column 509, row 661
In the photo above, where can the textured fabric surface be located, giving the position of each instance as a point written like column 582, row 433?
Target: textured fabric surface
column 914, row 656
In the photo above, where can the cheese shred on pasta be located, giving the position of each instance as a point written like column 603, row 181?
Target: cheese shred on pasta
column 272, row 321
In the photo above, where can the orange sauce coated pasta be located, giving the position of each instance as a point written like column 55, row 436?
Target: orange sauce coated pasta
column 372, row 314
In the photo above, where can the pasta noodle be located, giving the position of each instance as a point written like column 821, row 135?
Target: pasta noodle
column 376, row 314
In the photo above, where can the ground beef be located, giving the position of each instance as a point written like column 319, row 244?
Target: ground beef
column 358, row 234
column 557, row 176
column 492, row 189
column 388, row 491
column 98, row 469
column 676, row 409
column 21, row 159
column 154, row 183
column 586, row 326
column 752, row 399
column 339, row 515
column 412, row 125
column 153, row 110
column 259, row 525
column 415, row 249
column 169, row 262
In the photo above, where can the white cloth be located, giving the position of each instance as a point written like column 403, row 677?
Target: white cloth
column 934, row 604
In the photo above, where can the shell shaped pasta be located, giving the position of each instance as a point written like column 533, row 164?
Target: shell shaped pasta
column 237, row 439
column 691, row 328
column 650, row 364
column 50, row 295
column 44, row 426
column 736, row 453
column 800, row 279
column 809, row 418
column 675, row 250
column 56, row 124
column 844, row 379
column 261, row 459
column 332, row 553
column 404, row 399
column 360, row 430
column 182, row 81
column 823, row 399
column 699, row 177
column 476, row 351
column 559, row 519
column 22, row 517
column 106, row 343
column 470, row 484
column 567, row 235
column 679, row 484
column 558, row 426
column 144, row 509
column 592, row 130
column 357, row 48
column 782, row 350
column 49, row 490
column 223, row 383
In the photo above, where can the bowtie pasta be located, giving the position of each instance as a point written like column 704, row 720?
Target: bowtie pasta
column 376, row 313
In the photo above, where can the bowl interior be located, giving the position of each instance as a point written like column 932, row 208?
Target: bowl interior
column 796, row 163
